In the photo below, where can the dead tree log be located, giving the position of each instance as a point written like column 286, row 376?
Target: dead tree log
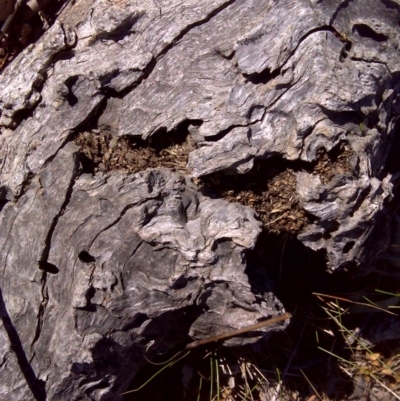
column 110, row 247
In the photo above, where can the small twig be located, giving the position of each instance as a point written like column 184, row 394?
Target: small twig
column 234, row 333
column 278, row 218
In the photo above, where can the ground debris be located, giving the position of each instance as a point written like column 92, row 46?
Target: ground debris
column 334, row 162
column 121, row 268
column 104, row 152
column 271, row 194
column 270, row 188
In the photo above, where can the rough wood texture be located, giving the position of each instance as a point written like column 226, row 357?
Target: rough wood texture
column 98, row 269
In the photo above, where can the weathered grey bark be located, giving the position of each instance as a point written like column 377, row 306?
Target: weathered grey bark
column 99, row 269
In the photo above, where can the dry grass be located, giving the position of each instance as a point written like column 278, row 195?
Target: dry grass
column 327, row 353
